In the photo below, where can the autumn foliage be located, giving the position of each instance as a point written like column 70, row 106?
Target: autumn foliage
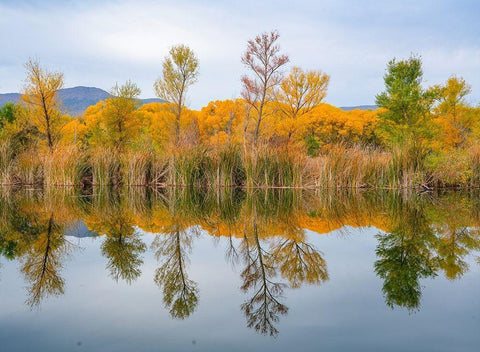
column 280, row 132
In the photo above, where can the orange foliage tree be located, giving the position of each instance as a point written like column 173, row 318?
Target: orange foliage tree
column 301, row 91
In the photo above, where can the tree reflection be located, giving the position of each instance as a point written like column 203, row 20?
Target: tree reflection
column 263, row 309
column 274, row 255
column 180, row 294
column 457, row 235
column 299, row 262
column 123, row 248
column 42, row 263
column 426, row 236
column 406, row 256
column 265, row 233
column 453, row 245
column 109, row 214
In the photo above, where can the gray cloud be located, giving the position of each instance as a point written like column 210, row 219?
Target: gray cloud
column 99, row 43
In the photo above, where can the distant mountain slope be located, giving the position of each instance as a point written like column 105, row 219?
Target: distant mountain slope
column 359, row 107
column 9, row 97
column 75, row 100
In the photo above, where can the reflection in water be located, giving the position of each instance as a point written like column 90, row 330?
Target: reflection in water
column 299, row 262
column 180, row 294
column 263, row 309
column 35, row 235
column 423, row 239
column 406, row 255
column 108, row 215
column 420, row 236
column 43, row 261
column 123, row 248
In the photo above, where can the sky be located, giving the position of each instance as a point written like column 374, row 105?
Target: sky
column 100, row 43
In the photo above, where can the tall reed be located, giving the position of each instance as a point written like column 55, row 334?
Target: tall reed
column 407, row 166
column 269, row 167
column 474, row 165
column 349, row 167
column 7, row 162
column 337, row 166
column 230, row 167
column 192, row 167
column 104, row 165
column 29, row 168
column 64, row 167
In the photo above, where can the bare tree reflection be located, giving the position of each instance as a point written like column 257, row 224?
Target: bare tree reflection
column 264, row 308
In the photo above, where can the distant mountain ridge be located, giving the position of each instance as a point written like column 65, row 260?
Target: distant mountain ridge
column 75, row 100
column 359, row 107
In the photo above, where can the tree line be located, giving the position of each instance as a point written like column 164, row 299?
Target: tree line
column 417, row 136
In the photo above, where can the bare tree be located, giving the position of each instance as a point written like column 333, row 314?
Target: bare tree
column 264, row 60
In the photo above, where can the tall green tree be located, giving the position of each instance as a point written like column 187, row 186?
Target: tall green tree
column 406, row 124
column 407, row 104
column 180, row 71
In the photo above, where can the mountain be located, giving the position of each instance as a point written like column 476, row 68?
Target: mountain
column 75, row 100
column 359, row 107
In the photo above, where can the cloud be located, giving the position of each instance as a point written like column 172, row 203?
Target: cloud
column 100, row 43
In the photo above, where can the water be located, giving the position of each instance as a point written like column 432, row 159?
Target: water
column 278, row 270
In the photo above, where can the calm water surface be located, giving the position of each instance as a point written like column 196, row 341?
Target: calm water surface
column 184, row 270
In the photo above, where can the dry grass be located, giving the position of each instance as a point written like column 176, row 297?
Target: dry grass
column 7, row 162
column 274, row 167
column 349, row 167
column 104, row 165
column 64, row 167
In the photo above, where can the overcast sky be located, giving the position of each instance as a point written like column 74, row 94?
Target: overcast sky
column 98, row 43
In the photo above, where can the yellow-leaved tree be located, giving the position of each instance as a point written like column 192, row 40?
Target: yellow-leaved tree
column 160, row 120
column 220, row 121
column 453, row 112
column 300, row 92
column 40, row 95
column 114, row 122
column 180, row 71
column 119, row 116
